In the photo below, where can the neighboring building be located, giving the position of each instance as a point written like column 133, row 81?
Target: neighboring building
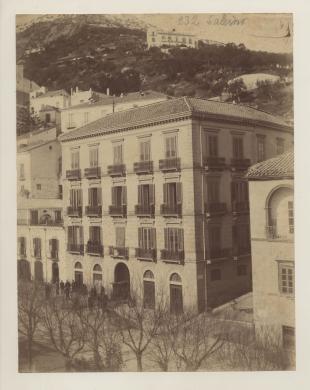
column 24, row 87
column 58, row 99
column 271, row 187
column 81, row 114
column 40, row 232
column 157, row 38
column 156, row 196
column 79, row 97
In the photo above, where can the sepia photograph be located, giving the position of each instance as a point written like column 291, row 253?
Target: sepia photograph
column 155, row 192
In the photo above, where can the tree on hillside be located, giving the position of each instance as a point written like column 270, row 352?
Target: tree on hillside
column 237, row 88
column 25, row 121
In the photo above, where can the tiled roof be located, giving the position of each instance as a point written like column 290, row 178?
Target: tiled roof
column 130, row 97
column 275, row 168
column 26, row 148
column 59, row 92
column 173, row 109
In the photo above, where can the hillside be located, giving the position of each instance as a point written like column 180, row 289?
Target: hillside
column 99, row 52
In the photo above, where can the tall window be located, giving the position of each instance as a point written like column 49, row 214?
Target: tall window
column 172, row 193
column 174, row 239
column 37, row 248
column 93, row 157
column 119, row 196
column 286, row 279
column 145, row 150
column 148, row 290
column 212, row 145
column 76, row 199
column 21, row 172
column 94, row 196
column 261, row 152
column 95, row 234
column 239, row 191
column 147, row 238
column 118, row 153
column 75, row 159
column 241, row 239
column 176, row 295
column 291, row 216
column 214, row 240
column 22, row 246
column 280, row 145
column 238, row 147
column 53, row 248
column 213, row 190
column 34, row 217
column 120, row 236
column 75, row 235
column 146, row 194
column 171, row 146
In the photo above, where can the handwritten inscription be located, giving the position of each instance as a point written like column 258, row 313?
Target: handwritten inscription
column 212, row 20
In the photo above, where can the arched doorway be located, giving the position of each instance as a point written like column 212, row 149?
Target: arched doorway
column 38, row 271
column 23, row 270
column 55, row 272
column 97, row 277
column 176, row 295
column 121, row 285
column 148, row 290
column 78, row 273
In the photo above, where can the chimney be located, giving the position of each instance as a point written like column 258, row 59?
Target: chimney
column 108, row 91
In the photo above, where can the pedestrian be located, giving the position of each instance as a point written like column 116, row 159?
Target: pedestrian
column 62, row 286
column 67, row 289
column 57, row 287
column 47, row 291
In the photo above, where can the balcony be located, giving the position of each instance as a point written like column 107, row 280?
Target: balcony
column 92, row 173
column 73, row 174
column 216, row 254
column 117, row 170
column 143, row 167
column 171, row 210
column 214, row 209
column 240, row 164
column 22, row 255
column 214, row 163
column 37, row 255
column 119, row 252
column 94, row 248
column 118, row 211
column 47, row 222
column 142, row 210
column 146, row 254
column 76, row 248
column 240, row 208
column 22, row 221
column 172, row 256
column 239, row 251
column 74, row 211
column 170, row 164
column 93, row 211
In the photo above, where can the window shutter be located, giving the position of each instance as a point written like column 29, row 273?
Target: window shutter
column 99, row 194
column 152, row 193
column 139, row 194
column 166, row 196
column 233, row 191
column 90, row 198
column 124, row 195
column 81, row 237
column 180, row 239
column 179, row 192
column 140, row 237
column 166, row 238
column 153, row 238
column 113, row 196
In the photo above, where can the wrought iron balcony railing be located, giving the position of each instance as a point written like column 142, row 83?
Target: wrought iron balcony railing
column 218, row 253
column 217, row 163
column 143, row 210
column 75, row 248
column 117, row 170
column 172, row 256
column 215, row 209
column 170, row 164
column 118, row 211
column 119, row 252
column 73, row 174
column 146, row 254
column 143, row 167
column 171, row 210
column 240, row 164
column 93, row 211
column 73, row 211
column 94, row 248
column 240, row 207
column 92, row 173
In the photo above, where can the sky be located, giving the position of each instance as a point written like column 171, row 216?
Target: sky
column 256, row 31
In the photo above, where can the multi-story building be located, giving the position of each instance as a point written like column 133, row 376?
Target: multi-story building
column 158, row 38
column 81, row 114
column 59, row 99
column 24, row 87
column 156, row 196
column 272, row 237
column 40, row 231
column 78, row 96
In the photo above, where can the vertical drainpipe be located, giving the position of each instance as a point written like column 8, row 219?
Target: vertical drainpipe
column 203, row 217
column 45, row 255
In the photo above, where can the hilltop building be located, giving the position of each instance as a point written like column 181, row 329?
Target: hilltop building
column 156, row 196
column 272, row 238
column 158, row 38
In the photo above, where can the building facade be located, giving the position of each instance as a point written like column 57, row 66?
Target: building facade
column 156, row 197
column 157, row 38
column 59, row 99
column 272, row 239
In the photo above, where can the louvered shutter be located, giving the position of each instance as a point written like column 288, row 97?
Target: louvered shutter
column 166, row 237
column 81, row 236
column 50, row 248
column 124, row 195
column 99, row 194
column 113, row 196
column 152, row 193
column 153, row 238
column 90, row 198
column 179, row 193
column 166, row 196
column 140, row 194
column 180, row 240
column 140, row 243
